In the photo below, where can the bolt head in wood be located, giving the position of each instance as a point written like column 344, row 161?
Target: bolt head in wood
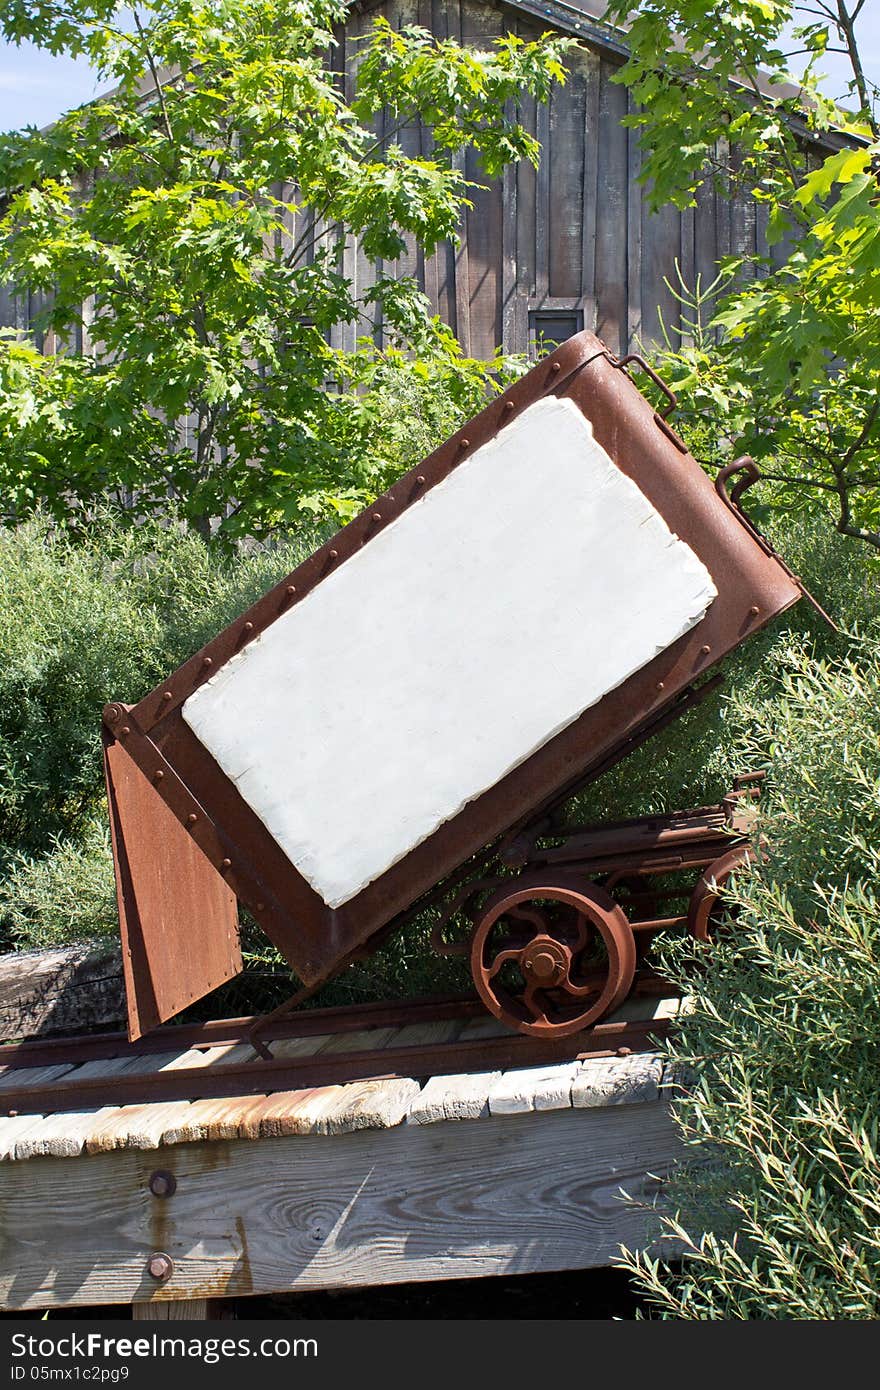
column 163, row 1183
column 160, row 1266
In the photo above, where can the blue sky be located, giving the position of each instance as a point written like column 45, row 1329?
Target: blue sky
column 35, row 87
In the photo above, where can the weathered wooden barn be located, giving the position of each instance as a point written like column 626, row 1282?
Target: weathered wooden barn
column 572, row 245
column 544, row 253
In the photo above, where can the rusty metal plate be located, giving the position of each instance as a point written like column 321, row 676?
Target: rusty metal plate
column 178, row 919
column 752, row 587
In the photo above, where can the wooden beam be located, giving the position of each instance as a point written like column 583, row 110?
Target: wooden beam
column 453, row 1199
column 60, row 991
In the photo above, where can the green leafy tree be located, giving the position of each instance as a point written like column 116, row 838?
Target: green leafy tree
column 784, row 366
column 187, row 232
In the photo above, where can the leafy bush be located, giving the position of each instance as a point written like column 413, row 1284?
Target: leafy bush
column 64, row 896
column 782, row 1219
column 83, row 621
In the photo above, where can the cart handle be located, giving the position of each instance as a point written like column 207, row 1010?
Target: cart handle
column 658, row 381
column 751, row 473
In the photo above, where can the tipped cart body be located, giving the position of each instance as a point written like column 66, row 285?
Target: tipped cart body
column 401, row 719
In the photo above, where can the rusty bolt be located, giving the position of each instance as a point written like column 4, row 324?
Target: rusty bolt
column 420, row 478
column 509, row 405
column 291, row 590
column 260, row 906
column 334, row 554
column 248, row 627
column 225, row 864
column 12, row 1114
column 705, row 649
column 114, row 712
column 160, row 1266
column 206, row 662
column 158, row 775
column 167, row 695
column 556, row 366
column 464, row 443
column 624, row 1052
column 660, row 685
column 125, row 730
column 754, row 610
column 192, row 818
column 163, row 1183
column 377, row 516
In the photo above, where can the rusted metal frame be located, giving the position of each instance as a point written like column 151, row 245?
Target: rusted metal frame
column 339, row 1020
column 752, row 474
column 287, row 1074
column 346, row 1018
column 226, row 858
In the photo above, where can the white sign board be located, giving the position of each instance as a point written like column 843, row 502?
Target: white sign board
column 517, row 593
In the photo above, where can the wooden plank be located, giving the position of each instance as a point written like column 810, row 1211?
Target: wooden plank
column 611, row 213
column 60, row 991
column 635, row 207
column 510, row 1195
column 565, row 158
column 463, row 1097
column 185, row 1310
column 12, row 1129
column 606, row 1081
column 542, row 203
column 589, row 68
column 533, row 1088
column 58, row 1136
column 12, row 1077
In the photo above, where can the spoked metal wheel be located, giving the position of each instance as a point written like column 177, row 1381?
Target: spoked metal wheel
column 706, row 910
column 550, row 957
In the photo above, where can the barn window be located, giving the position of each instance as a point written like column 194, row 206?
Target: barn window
column 550, row 327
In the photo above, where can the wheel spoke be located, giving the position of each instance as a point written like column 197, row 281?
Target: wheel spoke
column 501, row 959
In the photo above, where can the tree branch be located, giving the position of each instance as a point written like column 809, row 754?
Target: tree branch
column 158, row 85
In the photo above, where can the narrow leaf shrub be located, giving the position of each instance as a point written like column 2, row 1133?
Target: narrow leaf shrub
column 781, row 1218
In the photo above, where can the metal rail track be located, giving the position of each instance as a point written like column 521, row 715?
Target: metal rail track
column 39, row 1093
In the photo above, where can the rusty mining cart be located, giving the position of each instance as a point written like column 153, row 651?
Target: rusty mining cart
column 400, row 722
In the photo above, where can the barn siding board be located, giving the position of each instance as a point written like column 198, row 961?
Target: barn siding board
column 565, row 161
column 661, row 246
column 590, row 68
column 611, row 212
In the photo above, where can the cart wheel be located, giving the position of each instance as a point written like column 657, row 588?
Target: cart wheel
column 704, row 899
column 551, row 958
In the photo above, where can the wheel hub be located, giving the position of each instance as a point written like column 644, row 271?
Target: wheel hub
column 545, row 961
